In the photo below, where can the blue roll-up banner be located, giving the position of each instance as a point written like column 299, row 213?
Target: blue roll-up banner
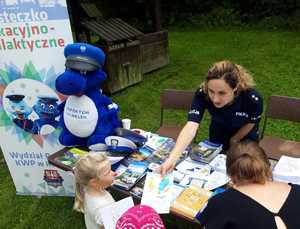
column 33, row 34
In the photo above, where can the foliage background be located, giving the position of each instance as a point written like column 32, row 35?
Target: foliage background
column 283, row 14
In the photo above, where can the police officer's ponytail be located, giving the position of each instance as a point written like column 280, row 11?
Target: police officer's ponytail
column 245, row 79
column 234, row 75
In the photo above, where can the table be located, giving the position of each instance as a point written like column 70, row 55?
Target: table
column 173, row 217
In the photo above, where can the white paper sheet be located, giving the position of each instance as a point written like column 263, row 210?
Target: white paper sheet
column 111, row 213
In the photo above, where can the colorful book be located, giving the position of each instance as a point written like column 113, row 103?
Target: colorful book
column 205, row 151
column 134, row 172
column 191, row 201
column 140, row 155
column 70, row 156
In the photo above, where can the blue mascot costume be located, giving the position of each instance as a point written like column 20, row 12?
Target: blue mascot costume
column 87, row 116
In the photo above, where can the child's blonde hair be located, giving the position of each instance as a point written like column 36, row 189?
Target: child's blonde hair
column 87, row 167
column 234, row 75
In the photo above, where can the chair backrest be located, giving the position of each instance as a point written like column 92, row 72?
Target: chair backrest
column 283, row 108
column 175, row 99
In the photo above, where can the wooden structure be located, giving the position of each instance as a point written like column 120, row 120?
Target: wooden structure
column 121, row 44
column 155, row 51
column 130, row 53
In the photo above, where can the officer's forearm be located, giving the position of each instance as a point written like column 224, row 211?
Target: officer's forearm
column 242, row 132
column 185, row 137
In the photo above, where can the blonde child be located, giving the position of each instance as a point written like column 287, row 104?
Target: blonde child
column 93, row 175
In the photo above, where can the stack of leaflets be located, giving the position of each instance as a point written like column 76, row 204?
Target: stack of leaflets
column 188, row 169
column 205, row 151
column 190, row 201
column 70, row 156
column 161, row 151
column 215, row 180
column 132, row 174
column 287, row 170
column 219, row 163
column 155, row 141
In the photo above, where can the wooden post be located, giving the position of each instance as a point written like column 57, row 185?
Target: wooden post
column 157, row 15
column 74, row 17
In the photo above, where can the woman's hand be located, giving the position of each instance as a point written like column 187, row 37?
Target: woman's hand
column 167, row 166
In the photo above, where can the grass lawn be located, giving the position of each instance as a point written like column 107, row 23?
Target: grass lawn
column 273, row 58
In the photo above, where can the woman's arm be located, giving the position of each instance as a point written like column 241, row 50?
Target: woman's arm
column 185, row 137
column 242, row 132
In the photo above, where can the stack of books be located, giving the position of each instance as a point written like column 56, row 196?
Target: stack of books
column 287, row 170
column 205, row 151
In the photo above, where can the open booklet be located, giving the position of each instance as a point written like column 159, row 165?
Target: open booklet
column 158, row 192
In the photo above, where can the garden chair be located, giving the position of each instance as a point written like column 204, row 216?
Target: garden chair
column 282, row 108
column 175, row 100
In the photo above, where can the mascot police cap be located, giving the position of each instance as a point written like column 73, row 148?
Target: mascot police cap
column 84, row 57
column 119, row 144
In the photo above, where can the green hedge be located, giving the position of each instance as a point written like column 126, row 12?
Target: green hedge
column 265, row 13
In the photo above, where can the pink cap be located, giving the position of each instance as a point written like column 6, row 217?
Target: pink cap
column 140, row 217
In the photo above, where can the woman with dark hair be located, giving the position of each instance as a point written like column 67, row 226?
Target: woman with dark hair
column 254, row 201
column 234, row 105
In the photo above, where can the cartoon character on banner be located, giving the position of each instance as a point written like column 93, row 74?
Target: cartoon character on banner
column 20, row 111
column 87, row 116
column 46, row 108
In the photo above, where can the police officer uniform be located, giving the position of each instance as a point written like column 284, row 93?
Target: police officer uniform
column 247, row 107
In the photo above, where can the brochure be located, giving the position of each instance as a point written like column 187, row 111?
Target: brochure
column 134, row 172
column 219, row 163
column 158, row 192
column 205, row 151
column 70, row 156
column 191, row 201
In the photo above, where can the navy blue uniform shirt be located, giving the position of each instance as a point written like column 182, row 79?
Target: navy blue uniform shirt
column 247, row 107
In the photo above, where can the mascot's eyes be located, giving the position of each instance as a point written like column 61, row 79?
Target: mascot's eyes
column 43, row 105
column 51, row 107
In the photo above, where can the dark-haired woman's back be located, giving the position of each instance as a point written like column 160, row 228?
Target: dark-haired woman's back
column 255, row 201
column 275, row 205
